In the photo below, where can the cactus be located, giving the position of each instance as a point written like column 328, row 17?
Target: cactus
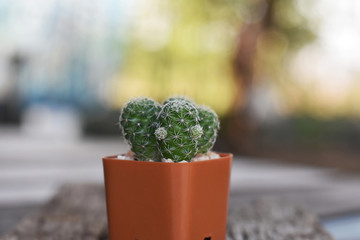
column 209, row 122
column 138, row 122
column 178, row 130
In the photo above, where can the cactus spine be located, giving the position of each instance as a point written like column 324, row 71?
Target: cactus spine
column 209, row 122
column 138, row 122
column 178, row 98
column 179, row 130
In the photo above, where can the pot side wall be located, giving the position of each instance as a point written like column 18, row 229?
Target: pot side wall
column 167, row 201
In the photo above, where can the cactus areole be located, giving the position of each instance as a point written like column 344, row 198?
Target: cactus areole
column 177, row 130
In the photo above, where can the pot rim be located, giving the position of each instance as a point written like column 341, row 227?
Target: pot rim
column 113, row 158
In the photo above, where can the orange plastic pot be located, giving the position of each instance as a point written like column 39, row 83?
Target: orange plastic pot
column 167, row 201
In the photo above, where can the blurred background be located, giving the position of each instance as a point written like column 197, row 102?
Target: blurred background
column 283, row 76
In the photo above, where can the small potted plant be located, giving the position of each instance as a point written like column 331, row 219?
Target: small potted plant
column 170, row 186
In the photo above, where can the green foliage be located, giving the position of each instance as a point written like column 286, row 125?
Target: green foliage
column 179, row 130
column 138, row 122
column 290, row 23
column 189, row 47
column 210, row 124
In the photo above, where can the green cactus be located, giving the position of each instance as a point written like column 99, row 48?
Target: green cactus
column 179, row 130
column 209, row 122
column 138, row 122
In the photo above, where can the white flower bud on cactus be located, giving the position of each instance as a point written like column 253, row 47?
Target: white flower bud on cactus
column 160, row 133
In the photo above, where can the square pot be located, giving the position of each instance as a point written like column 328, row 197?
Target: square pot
column 167, row 201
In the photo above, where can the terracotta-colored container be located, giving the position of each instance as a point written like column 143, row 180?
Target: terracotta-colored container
column 167, row 201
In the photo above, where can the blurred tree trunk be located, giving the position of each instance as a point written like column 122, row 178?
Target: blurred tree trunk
column 240, row 129
column 10, row 105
